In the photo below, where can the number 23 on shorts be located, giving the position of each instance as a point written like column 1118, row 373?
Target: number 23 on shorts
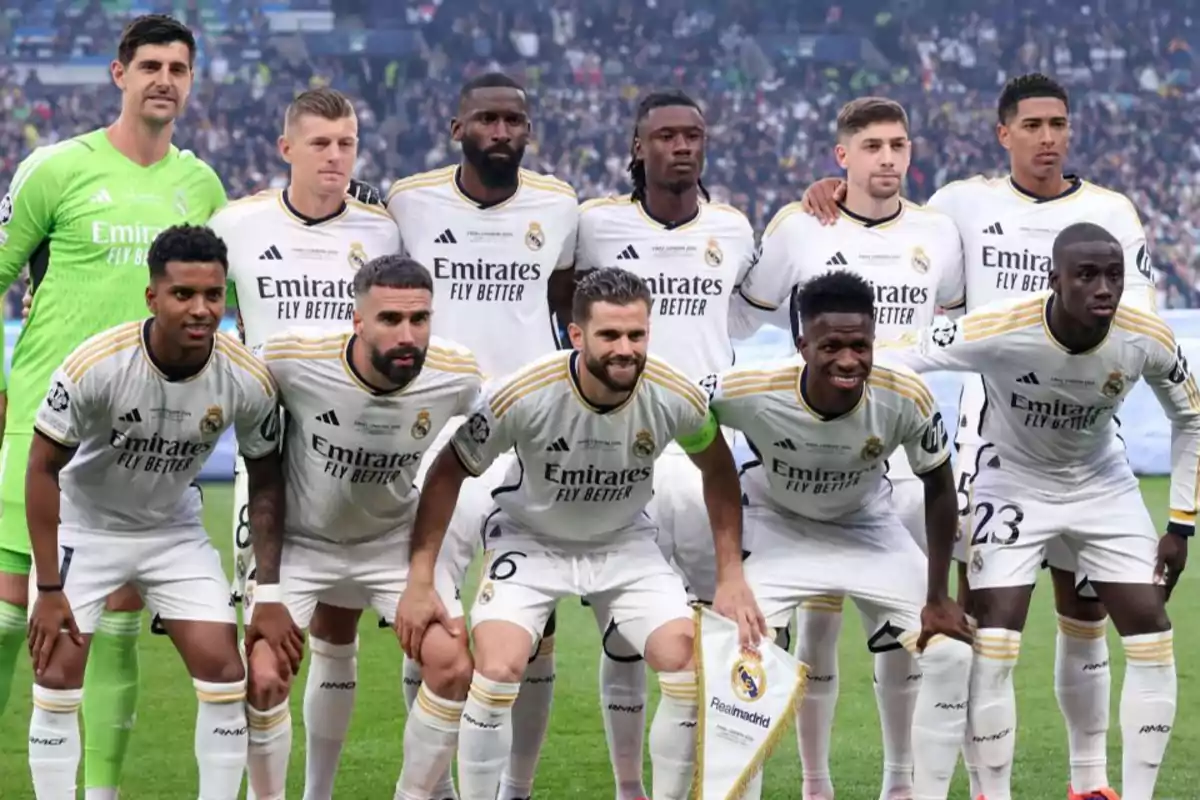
column 996, row 523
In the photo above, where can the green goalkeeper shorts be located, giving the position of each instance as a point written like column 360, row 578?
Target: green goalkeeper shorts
column 14, row 535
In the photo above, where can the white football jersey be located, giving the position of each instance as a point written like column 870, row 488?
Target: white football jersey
column 581, row 473
column 691, row 270
column 820, row 468
column 351, row 450
column 287, row 271
column 141, row 438
column 1008, row 236
column 491, row 265
column 913, row 260
column 1051, row 411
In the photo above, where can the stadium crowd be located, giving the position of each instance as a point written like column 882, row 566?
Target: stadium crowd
column 770, row 111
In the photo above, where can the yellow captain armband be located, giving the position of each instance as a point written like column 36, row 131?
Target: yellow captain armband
column 699, row 441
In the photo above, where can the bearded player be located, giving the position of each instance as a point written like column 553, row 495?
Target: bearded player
column 1008, row 226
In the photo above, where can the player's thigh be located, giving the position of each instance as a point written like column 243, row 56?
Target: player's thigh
column 521, row 580
column 683, row 521
column 243, row 549
column 15, row 569
column 182, row 579
column 1012, row 520
column 93, row 565
column 380, row 568
column 908, row 500
column 1113, row 537
column 14, row 455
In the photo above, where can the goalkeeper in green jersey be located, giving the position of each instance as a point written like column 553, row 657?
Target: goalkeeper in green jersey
column 82, row 213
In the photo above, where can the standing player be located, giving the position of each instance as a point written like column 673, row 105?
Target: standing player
column 1056, row 368
column 130, row 419
column 1008, row 227
column 912, row 258
column 587, row 426
column 819, row 507
column 293, row 255
column 499, row 241
column 691, row 254
column 361, row 407
column 82, row 213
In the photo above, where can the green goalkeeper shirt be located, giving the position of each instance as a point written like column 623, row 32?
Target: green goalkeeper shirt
column 83, row 216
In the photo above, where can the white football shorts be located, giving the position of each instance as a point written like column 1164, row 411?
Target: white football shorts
column 908, row 499
column 625, row 578
column 243, row 548
column 178, row 573
column 1101, row 524
column 684, row 531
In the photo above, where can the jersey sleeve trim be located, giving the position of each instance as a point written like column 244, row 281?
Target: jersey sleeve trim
column 58, row 440
column 754, row 301
column 240, row 357
column 780, row 216
column 1144, row 324
column 450, row 361
column 526, row 383
column 296, row 346
column 985, row 325
column 461, row 460
column 422, row 180
column 106, row 344
column 957, row 304
column 547, row 183
column 908, row 387
column 601, row 202
column 749, row 382
column 662, row 375
column 377, row 211
column 941, row 463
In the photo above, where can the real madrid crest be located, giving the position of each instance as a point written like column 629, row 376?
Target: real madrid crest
column 486, row 593
column 643, row 444
column 181, row 203
column 873, row 448
column 712, row 253
column 1114, row 385
column 920, row 261
column 212, row 421
column 420, row 428
column 535, row 237
column 976, row 561
column 358, row 256
column 748, row 679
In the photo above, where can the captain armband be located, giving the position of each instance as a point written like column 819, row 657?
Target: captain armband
column 704, row 436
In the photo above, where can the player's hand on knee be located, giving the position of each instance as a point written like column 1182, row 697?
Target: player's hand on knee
column 419, row 607
column 822, row 197
column 734, row 600
column 1172, row 559
column 51, row 616
column 271, row 623
column 944, row 617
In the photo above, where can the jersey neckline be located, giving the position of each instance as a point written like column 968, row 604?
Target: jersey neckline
column 170, row 373
column 102, row 141
column 573, row 372
column 1076, row 183
column 1054, row 339
column 481, row 204
column 665, row 224
column 310, row 222
column 871, row 222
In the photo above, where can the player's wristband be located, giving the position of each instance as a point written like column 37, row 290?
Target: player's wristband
column 49, row 588
column 1179, row 529
column 268, row 593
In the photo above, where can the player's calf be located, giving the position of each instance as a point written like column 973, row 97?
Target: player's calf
column 623, row 708
column 939, row 719
column 669, row 652
column 54, row 742
column 269, row 720
column 818, row 626
column 502, row 650
column 110, row 690
column 14, row 591
column 329, row 694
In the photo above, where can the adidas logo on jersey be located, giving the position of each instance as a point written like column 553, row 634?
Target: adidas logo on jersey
column 994, row 229
column 132, row 416
column 271, row 254
column 329, row 417
column 559, row 445
column 1030, row 379
column 786, row 444
column 628, row 254
column 838, row 260
column 101, row 196
column 446, row 237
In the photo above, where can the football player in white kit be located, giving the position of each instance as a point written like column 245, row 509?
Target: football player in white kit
column 293, row 255
column 1008, row 226
column 912, row 257
column 499, row 241
column 820, row 512
column 361, row 407
column 691, row 253
column 1056, row 368
column 587, row 426
column 130, row 419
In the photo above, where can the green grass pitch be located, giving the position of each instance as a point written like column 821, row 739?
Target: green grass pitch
column 575, row 760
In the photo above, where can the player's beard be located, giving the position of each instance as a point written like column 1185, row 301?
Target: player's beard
column 599, row 369
column 397, row 374
column 494, row 173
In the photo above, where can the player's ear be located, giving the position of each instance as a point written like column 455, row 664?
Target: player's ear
column 151, row 298
column 575, row 334
column 1002, row 135
column 117, row 70
column 456, row 129
column 840, row 153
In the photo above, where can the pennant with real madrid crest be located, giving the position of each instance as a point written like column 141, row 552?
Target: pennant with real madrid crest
column 746, row 703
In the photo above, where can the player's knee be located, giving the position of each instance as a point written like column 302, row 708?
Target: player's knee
column 670, row 647
column 617, row 648
column 220, row 668
column 447, row 668
column 335, row 625
column 501, row 669
column 269, row 680
column 124, row 599
column 60, row 677
column 946, row 659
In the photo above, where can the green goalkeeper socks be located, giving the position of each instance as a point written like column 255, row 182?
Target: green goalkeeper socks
column 12, row 642
column 110, row 688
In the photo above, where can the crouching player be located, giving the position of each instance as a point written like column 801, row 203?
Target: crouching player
column 130, row 419
column 361, row 409
column 819, row 507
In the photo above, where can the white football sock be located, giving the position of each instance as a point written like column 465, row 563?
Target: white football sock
column 530, row 718
column 992, row 709
column 221, row 738
column 328, row 706
column 818, row 625
column 1148, row 701
column 673, row 736
column 623, row 706
column 269, row 750
column 54, row 743
column 970, row 752
column 1082, row 680
column 412, row 684
column 485, row 738
column 897, row 681
column 940, row 715
column 430, row 741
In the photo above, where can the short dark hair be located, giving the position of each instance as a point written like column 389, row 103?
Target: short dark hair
column 488, row 80
column 187, row 243
column 1027, row 87
column 667, row 98
column 1078, row 233
column 154, row 29
column 837, row 292
column 323, row 102
column 608, row 285
column 864, row 111
column 392, row 272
